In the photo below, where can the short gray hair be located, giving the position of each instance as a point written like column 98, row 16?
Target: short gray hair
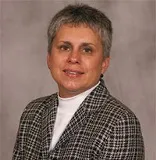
column 78, row 14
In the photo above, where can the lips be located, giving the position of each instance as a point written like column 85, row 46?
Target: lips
column 72, row 73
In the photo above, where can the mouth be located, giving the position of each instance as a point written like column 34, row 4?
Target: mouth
column 73, row 73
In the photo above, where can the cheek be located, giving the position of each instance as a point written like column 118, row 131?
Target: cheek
column 94, row 66
column 54, row 60
column 57, row 66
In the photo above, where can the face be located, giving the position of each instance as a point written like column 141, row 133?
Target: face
column 76, row 60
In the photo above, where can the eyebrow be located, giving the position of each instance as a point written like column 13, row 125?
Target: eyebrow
column 87, row 44
column 83, row 44
column 66, row 42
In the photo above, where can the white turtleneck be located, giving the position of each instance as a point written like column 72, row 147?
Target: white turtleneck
column 66, row 109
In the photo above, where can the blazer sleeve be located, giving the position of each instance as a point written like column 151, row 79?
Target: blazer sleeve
column 125, row 141
column 17, row 151
column 23, row 129
column 29, row 132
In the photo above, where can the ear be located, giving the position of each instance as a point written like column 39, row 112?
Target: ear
column 105, row 65
column 48, row 60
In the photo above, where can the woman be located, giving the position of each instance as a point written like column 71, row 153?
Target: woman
column 81, row 121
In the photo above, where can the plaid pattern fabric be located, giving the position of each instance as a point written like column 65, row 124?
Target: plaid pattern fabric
column 101, row 129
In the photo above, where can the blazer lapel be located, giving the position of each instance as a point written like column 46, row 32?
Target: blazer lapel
column 48, row 120
column 79, row 119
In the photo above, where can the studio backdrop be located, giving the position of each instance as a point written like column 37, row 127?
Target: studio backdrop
column 24, row 72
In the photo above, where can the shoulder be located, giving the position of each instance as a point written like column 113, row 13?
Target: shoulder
column 40, row 102
column 118, row 112
column 109, row 109
column 37, row 106
column 118, row 121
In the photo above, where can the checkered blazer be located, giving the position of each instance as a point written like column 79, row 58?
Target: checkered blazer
column 101, row 129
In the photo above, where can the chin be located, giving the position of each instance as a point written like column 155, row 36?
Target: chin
column 73, row 87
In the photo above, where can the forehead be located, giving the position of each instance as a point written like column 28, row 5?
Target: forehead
column 80, row 31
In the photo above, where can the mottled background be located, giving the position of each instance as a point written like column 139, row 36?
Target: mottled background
column 24, row 73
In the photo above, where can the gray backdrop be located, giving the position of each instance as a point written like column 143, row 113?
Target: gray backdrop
column 24, row 73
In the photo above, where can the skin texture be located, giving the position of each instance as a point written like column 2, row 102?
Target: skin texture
column 76, row 60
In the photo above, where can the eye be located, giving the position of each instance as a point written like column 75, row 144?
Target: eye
column 87, row 50
column 64, row 48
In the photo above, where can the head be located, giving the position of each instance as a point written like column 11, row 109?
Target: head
column 79, row 42
column 79, row 14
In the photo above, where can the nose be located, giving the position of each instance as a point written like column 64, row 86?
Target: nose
column 74, row 57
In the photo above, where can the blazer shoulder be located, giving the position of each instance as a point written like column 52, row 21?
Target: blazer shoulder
column 118, row 111
column 110, row 109
column 37, row 106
